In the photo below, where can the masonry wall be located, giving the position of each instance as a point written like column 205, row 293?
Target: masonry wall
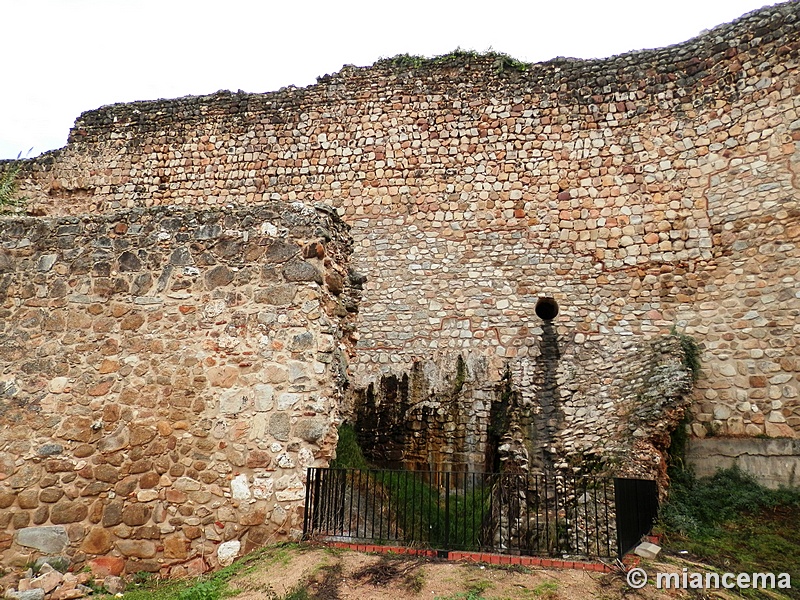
column 774, row 462
column 166, row 377
column 645, row 192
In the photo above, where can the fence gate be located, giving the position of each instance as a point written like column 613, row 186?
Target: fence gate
column 540, row 515
column 637, row 509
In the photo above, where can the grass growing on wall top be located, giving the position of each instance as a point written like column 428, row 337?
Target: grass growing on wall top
column 501, row 62
column 9, row 202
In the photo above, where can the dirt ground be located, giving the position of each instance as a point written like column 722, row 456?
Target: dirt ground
column 326, row 574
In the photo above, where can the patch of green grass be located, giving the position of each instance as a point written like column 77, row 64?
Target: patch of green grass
column 470, row 595
column 212, row 586
column 155, row 590
column 733, row 523
column 405, row 61
column 546, row 589
column 298, row 593
column 415, row 581
column 281, row 553
column 474, row 591
column 479, row 586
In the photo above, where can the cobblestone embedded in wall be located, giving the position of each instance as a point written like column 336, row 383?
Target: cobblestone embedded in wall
column 642, row 192
column 166, row 376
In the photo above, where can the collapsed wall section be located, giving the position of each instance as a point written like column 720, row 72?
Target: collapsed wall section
column 166, row 376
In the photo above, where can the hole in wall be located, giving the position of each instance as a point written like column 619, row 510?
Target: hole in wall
column 546, row 309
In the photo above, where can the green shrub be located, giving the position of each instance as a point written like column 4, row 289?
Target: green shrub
column 698, row 506
column 348, row 452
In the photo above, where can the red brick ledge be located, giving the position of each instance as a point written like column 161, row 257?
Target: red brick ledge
column 479, row 557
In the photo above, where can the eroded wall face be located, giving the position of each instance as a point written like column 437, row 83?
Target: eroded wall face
column 167, row 377
column 646, row 192
column 561, row 412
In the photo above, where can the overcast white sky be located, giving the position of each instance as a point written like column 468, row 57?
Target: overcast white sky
column 63, row 57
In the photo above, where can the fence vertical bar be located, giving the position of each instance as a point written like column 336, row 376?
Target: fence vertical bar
column 500, row 503
column 319, row 500
column 577, row 512
column 596, row 518
column 350, row 480
column 342, row 499
column 517, row 515
column 330, row 508
column 537, row 512
column 321, row 508
column 464, row 533
column 398, row 504
column 372, row 480
column 577, row 503
column 362, row 498
column 332, row 490
column 413, row 507
column 556, row 535
column 526, row 490
column 338, row 514
column 359, row 498
column 430, row 508
column 447, row 510
column 546, row 512
column 344, row 493
column 587, row 511
column 380, row 502
column 472, row 541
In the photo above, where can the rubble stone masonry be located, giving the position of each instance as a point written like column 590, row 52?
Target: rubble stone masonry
column 168, row 376
column 644, row 193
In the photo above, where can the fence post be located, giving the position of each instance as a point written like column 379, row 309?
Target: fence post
column 306, row 512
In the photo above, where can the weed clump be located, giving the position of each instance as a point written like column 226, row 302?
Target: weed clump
column 699, row 506
column 731, row 521
column 10, row 203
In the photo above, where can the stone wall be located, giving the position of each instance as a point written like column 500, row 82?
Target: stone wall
column 773, row 463
column 166, row 376
column 645, row 192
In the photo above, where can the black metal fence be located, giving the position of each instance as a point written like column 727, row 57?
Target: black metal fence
column 544, row 515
